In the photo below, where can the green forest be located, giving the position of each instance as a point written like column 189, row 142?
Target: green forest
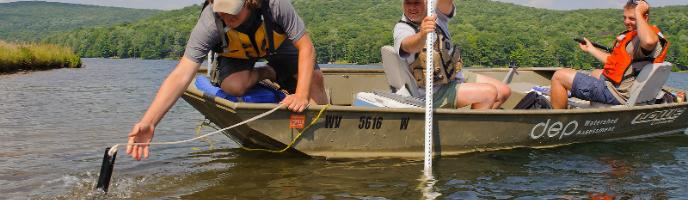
column 29, row 21
column 490, row 33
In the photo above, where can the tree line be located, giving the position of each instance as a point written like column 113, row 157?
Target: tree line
column 29, row 21
column 491, row 34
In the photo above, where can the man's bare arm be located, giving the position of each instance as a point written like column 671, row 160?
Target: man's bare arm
column 648, row 38
column 446, row 7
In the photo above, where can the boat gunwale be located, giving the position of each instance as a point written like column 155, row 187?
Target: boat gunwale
column 314, row 108
column 326, row 70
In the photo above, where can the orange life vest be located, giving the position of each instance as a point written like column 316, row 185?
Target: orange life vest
column 619, row 61
column 258, row 44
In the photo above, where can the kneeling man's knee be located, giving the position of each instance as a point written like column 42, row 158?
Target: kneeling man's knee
column 490, row 93
column 234, row 88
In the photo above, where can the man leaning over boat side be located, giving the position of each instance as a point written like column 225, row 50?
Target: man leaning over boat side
column 639, row 45
column 239, row 31
column 453, row 88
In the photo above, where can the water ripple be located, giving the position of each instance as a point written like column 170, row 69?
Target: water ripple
column 55, row 125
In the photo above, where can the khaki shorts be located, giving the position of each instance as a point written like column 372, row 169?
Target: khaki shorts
column 445, row 97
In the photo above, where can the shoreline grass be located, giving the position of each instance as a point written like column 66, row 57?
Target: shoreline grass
column 681, row 69
column 22, row 57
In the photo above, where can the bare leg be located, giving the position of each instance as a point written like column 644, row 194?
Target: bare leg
column 503, row 90
column 478, row 95
column 561, row 84
column 317, row 90
column 596, row 73
column 238, row 83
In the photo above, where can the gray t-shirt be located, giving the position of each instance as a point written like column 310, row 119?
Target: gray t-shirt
column 622, row 91
column 403, row 30
column 208, row 32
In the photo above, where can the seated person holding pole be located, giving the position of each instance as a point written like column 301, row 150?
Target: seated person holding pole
column 453, row 88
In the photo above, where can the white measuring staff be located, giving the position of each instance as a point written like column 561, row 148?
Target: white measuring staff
column 428, row 180
column 429, row 80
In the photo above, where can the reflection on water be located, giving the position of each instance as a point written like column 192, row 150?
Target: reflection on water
column 55, row 124
column 649, row 169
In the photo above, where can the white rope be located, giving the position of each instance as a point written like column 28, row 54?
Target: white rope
column 113, row 149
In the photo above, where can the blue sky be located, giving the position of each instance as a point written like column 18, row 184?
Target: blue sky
column 551, row 4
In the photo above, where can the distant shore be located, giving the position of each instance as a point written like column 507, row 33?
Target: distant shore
column 29, row 57
column 679, row 68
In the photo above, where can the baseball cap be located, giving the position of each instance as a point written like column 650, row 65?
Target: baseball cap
column 231, row 7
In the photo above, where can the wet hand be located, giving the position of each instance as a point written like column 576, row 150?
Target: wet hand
column 428, row 25
column 296, row 103
column 141, row 133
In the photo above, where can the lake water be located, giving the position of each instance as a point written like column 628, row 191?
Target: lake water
column 54, row 126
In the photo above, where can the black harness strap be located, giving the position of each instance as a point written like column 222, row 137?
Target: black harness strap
column 415, row 27
column 220, row 25
column 266, row 13
column 205, row 4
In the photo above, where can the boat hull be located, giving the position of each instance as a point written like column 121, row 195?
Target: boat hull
column 367, row 132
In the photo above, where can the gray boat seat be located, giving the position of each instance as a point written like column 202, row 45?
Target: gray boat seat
column 397, row 73
column 647, row 86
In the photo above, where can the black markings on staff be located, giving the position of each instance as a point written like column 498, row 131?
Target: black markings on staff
column 333, row 121
column 404, row 123
column 367, row 122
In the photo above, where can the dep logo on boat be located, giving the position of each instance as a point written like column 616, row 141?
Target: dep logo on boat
column 658, row 117
column 560, row 130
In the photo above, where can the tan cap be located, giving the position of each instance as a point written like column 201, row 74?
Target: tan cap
column 231, row 7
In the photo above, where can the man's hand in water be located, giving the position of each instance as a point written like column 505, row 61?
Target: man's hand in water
column 296, row 102
column 141, row 133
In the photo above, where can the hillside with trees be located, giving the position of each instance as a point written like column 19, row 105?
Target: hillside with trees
column 490, row 33
column 32, row 20
column 157, row 37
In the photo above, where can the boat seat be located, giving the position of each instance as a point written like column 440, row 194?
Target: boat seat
column 397, row 73
column 647, row 86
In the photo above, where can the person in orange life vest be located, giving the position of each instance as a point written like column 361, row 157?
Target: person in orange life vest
column 238, row 30
column 639, row 45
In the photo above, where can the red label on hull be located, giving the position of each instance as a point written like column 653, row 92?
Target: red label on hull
column 297, row 121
